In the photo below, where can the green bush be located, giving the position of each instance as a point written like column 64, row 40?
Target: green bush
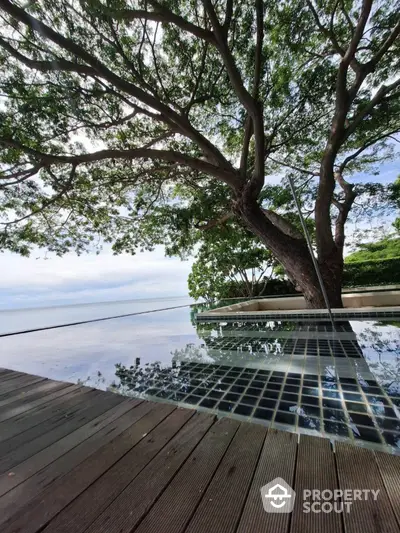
column 372, row 272
column 388, row 248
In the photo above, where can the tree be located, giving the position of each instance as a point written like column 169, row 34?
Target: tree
column 230, row 263
column 395, row 197
column 114, row 113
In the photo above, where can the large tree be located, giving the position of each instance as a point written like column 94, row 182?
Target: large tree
column 114, row 112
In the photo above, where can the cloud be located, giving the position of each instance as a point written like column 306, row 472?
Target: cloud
column 89, row 278
column 27, row 282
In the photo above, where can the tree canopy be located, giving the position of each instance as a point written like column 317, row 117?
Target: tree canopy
column 140, row 123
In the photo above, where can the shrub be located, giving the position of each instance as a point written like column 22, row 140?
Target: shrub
column 372, row 272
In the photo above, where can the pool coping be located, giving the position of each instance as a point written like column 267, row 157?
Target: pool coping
column 347, row 313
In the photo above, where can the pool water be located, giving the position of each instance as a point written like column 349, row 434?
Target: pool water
column 299, row 375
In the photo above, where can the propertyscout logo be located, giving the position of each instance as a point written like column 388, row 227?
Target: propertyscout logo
column 279, row 497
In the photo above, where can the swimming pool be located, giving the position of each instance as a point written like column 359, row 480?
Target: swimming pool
column 297, row 375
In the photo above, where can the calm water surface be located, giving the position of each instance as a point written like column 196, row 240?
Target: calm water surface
column 14, row 320
column 298, row 376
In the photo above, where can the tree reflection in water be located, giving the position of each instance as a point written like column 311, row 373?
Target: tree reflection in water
column 380, row 342
column 353, row 394
column 260, row 344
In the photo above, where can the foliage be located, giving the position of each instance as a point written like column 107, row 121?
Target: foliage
column 388, row 248
column 395, row 198
column 231, row 255
column 137, row 123
column 372, row 272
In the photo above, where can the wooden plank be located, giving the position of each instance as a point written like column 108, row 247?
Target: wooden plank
column 60, row 408
column 357, row 469
column 52, row 407
column 25, row 492
column 18, row 382
column 13, row 374
column 5, row 372
column 132, row 504
column 60, row 419
column 85, row 509
column 60, row 491
column 19, row 407
column 51, row 452
column 177, row 503
column 277, row 459
column 93, row 407
column 222, row 503
column 315, row 469
column 36, row 390
column 389, row 467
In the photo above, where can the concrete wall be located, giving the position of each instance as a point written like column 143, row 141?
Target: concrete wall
column 292, row 303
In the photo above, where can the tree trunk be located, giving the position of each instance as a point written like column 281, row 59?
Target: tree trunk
column 295, row 257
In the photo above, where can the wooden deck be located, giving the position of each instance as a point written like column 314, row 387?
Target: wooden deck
column 74, row 460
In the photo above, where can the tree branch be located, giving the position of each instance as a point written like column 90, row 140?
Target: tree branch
column 284, row 225
column 367, row 145
column 100, row 69
column 162, row 14
column 379, row 95
column 249, row 124
column 331, row 36
column 252, row 106
column 230, row 178
column 46, row 66
column 216, row 222
column 65, row 187
column 384, row 48
column 294, row 167
column 344, row 209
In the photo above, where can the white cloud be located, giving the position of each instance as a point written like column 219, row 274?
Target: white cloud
column 89, row 278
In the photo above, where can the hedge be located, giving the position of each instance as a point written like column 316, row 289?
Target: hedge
column 372, row 272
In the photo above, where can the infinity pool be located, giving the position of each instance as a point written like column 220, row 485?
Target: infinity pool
column 299, row 376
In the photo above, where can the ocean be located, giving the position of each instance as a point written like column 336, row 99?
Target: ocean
column 17, row 320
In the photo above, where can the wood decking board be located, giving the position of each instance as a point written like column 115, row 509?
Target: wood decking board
column 61, row 409
column 10, row 375
column 54, row 487
column 31, row 392
column 48, row 453
column 389, row 467
column 92, row 410
column 277, row 459
column 129, row 508
column 315, row 469
column 222, row 503
column 23, row 405
column 18, row 382
column 78, row 460
column 178, row 502
column 357, row 469
column 85, row 509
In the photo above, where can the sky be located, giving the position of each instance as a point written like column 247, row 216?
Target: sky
column 39, row 281
column 45, row 280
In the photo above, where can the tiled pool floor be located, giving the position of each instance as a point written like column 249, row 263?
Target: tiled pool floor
column 303, row 378
column 343, row 407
